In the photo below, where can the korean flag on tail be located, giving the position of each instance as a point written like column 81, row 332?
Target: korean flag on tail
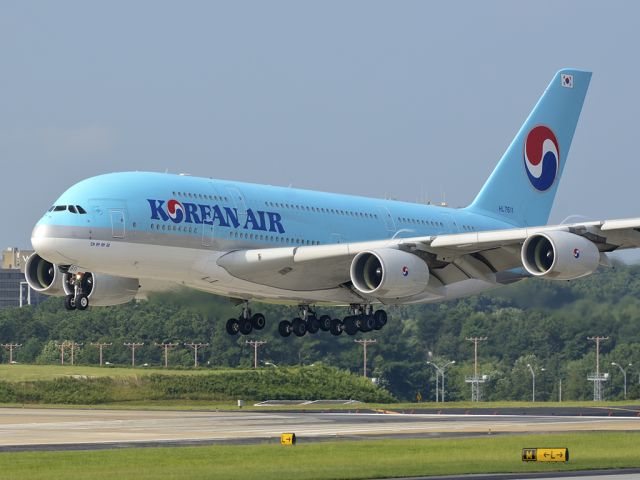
column 566, row 80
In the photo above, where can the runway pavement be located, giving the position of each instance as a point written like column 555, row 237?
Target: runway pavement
column 51, row 429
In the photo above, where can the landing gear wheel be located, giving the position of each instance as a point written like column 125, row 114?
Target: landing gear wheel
column 81, row 301
column 380, row 319
column 233, row 326
column 245, row 326
column 367, row 323
column 325, row 323
column 336, row 327
column 350, row 325
column 313, row 324
column 284, row 328
column 299, row 327
column 70, row 302
column 258, row 321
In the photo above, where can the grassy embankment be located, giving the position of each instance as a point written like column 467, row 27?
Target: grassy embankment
column 330, row 460
column 30, row 384
column 127, row 388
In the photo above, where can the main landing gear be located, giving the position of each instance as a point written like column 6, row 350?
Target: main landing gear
column 246, row 322
column 360, row 319
column 79, row 283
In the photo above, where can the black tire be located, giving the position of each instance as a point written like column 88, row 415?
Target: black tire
column 367, row 323
column 70, row 302
column 245, row 326
column 350, row 325
column 284, row 328
column 380, row 319
column 299, row 327
column 336, row 327
column 258, row 321
column 81, row 301
column 233, row 326
column 325, row 323
column 313, row 324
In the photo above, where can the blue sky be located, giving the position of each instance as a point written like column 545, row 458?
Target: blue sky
column 409, row 100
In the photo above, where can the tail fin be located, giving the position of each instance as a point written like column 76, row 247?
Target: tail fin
column 523, row 186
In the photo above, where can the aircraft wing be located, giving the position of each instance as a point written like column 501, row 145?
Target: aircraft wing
column 451, row 257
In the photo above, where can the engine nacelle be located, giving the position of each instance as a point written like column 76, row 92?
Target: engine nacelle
column 389, row 273
column 43, row 276
column 103, row 290
column 559, row 255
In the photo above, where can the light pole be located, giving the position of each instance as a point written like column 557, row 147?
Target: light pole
column 533, row 381
column 624, row 374
column 440, row 369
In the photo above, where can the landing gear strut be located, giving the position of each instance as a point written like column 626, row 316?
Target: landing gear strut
column 246, row 322
column 80, row 283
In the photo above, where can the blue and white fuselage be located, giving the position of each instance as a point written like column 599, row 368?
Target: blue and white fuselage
column 249, row 241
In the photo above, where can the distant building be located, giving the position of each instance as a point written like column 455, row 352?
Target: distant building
column 14, row 291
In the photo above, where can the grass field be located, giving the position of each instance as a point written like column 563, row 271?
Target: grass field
column 329, row 460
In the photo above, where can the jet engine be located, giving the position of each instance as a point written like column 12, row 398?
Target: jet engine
column 389, row 273
column 43, row 276
column 559, row 255
column 102, row 290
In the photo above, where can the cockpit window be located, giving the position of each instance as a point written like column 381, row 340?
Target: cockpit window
column 59, row 208
column 72, row 209
column 51, row 209
column 81, row 210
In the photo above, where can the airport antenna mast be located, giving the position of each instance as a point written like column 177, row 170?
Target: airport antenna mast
column 195, row 347
column 597, row 378
column 166, row 346
column 100, row 347
column 364, row 343
column 133, row 346
column 255, row 344
column 476, row 380
column 11, row 347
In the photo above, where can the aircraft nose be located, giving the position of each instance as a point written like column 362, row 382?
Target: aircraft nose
column 41, row 240
column 49, row 244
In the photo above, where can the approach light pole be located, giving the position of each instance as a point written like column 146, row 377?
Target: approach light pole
column 440, row 370
column 533, row 381
column 624, row 374
column 133, row 346
column 100, row 346
column 364, row 342
column 196, row 347
column 11, row 347
column 255, row 344
column 166, row 346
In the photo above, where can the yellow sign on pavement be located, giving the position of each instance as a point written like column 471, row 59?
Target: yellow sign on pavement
column 288, row 439
column 545, row 454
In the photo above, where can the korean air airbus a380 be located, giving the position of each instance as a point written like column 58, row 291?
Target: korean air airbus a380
column 310, row 249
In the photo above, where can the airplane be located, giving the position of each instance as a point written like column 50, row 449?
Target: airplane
column 313, row 249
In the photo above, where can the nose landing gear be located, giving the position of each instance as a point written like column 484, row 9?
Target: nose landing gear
column 80, row 283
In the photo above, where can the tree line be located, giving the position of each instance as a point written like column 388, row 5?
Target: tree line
column 539, row 323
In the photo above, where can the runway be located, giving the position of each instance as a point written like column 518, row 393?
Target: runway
column 53, row 429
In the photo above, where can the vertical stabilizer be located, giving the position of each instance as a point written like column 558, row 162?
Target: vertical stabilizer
column 523, row 185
